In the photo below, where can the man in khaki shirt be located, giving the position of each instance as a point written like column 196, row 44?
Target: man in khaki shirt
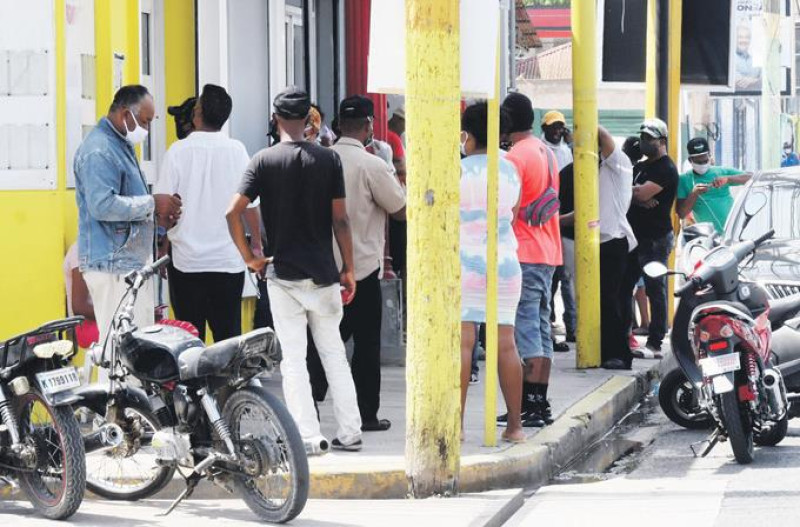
column 372, row 191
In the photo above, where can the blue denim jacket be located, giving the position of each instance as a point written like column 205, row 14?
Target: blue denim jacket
column 115, row 209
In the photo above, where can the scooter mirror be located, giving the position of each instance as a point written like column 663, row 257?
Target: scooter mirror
column 655, row 269
column 755, row 202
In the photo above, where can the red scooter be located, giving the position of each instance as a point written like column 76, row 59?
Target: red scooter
column 721, row 339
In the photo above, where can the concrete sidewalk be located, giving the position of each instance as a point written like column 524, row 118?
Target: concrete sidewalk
column 586, row 404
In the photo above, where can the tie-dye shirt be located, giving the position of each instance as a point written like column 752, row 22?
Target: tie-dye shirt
column 474, row 240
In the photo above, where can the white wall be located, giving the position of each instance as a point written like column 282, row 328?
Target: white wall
column 27, row 95
column 248, row 72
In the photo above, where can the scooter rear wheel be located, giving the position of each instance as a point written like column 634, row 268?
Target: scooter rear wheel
column 737, row 424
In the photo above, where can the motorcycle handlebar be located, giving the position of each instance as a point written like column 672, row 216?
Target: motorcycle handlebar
column 688, row 285
column 149, row 270
column 764, row 237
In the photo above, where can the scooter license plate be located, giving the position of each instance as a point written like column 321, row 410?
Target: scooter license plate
column 720, row 364
column 57, row 381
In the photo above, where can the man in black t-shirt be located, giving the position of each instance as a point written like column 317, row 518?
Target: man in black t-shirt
column 655, row 185
column 302, row 192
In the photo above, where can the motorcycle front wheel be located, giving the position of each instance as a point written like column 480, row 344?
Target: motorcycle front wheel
column 267, row 438
column 129, row 472
column 58, row 481
column 738, row 426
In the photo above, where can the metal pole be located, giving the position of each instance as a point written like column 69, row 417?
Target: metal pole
column 664, row 38
column 771, row 88
column 651, row 59
column 433, row 396
column 493, row 153
column 675, row 25
column 587, row 233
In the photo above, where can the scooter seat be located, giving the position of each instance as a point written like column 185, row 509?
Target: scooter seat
column 784, row 309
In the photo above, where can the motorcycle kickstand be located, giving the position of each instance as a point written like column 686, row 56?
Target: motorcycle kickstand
column 191, row 482
column 711, row 443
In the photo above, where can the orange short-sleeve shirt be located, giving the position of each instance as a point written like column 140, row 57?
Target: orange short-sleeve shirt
column 537, row 244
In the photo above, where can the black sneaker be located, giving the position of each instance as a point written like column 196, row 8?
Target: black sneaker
column 545, row 412
column 560, row 347
column 502, row 419
column 571, row 337
column 355, row 446
column 532, row 420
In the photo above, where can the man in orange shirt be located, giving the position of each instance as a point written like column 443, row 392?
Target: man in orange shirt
column 539, row 254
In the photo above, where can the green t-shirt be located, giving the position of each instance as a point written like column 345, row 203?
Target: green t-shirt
column 715, row 205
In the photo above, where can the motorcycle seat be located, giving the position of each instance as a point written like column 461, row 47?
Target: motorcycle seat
column 784, row 309
column 203, row 362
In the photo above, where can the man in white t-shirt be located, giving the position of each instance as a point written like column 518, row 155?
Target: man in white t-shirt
column 206, row 275
column 616, row 241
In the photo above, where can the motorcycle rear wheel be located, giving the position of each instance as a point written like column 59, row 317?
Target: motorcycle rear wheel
column 737, row 424
column 279, row 494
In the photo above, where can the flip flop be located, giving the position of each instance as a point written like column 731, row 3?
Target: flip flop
column 513, row 441
column 381, row 425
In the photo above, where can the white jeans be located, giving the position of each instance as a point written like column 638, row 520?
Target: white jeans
column 106, row 290
column 296, row 305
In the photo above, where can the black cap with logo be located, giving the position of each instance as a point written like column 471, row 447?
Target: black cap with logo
column 697, row 146
column 356, row 107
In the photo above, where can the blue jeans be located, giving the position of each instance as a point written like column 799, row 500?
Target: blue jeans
column 532, row 327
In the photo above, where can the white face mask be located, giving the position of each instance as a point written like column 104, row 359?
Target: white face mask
column 137, row 135
column 464, row 144
column 699, row 168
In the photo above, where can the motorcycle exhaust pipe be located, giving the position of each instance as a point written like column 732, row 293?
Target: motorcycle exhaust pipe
column 107, row 436
column 776, row 394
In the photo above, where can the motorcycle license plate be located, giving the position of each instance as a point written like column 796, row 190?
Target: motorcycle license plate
column 720, row 364
column 57, row 381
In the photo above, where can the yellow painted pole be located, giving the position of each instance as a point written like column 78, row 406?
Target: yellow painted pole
column 587, row 209
column 674, row 118
column 651, row 59
column 104, row 57
column 492, row 192
column 433, row 394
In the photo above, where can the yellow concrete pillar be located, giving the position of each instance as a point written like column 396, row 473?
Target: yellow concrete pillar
column 587, row 208
column 492, row 193
column 434, row 288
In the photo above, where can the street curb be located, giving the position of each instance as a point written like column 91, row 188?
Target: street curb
column 530, row 464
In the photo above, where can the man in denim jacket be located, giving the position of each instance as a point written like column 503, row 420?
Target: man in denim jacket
column 116, row 212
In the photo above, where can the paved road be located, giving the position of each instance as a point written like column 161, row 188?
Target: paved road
column 670, row 487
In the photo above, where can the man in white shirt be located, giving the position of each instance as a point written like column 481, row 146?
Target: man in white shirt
column 616, row 241
column 207, row 272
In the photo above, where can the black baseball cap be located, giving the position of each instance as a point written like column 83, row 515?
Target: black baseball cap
column 356, row 107
column 185, row 108
column 293, row 103
column 697, row 146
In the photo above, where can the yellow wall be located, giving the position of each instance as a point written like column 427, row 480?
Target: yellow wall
column 37, row 226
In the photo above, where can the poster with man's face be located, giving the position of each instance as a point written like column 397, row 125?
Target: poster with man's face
column 751, row 38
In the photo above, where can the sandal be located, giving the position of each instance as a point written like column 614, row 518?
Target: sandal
column 644, row 353
column 379, row 425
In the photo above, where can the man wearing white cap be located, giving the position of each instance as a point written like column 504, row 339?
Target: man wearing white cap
column 655, row 184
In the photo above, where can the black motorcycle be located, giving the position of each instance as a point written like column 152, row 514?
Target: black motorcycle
column 40, row 442
column 200, row 410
